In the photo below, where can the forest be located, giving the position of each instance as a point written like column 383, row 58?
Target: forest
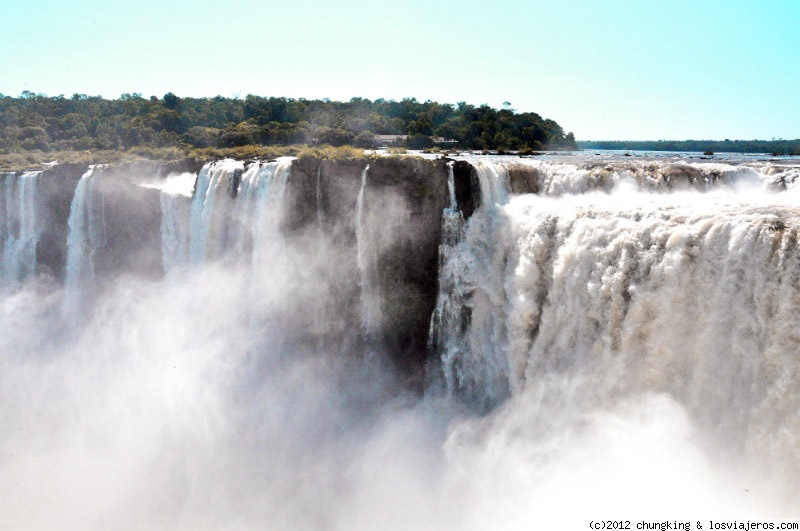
column 36, row 122
column 776, row 147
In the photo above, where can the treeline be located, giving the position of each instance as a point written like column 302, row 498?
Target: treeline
column 80, row 122
column 774, row 147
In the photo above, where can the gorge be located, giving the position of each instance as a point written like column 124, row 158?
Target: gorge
column 397, row 342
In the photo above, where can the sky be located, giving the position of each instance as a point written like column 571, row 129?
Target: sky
column 610, row 69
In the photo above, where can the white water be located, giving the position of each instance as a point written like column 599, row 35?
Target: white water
column 557, row 178
column 20, row 227
column 209, row 224
column 620, row 354
column 176, row 201
column 468, row 326
column 318, row 197
column 367, row 264
column 214, row 185
column 577, row 303
column 87, row 235
column 258, row 235
column 262, row 192
column 449, row 321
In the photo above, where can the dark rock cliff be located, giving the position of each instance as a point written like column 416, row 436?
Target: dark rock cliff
column 56, row 188
column 132, row 216
column 403, row 203
column 467, row 188
column 399, row 227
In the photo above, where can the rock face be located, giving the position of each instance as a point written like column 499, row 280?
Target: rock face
column 368, row 243
column 55, row 191
column 408, row 265
column 131, row 215
column 524, row 179
column 399, row 232
column 467, row 188
column 133, row 222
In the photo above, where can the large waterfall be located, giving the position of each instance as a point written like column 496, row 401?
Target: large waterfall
column 563, row 340
column 575, row 298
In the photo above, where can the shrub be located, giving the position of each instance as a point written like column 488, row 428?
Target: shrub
column 332, row 153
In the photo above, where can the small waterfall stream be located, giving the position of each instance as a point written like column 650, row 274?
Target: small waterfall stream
column 20, row 227
column 87, row 235
column 367, row 264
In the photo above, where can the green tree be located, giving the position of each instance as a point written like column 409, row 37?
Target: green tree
column 171, row 101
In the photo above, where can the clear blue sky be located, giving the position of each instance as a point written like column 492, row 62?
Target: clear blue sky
column 605, row 69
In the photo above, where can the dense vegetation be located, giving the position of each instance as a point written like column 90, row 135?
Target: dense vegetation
column 82, row 123
column 775, row 147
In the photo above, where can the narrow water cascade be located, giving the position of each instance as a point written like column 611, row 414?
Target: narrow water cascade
column 215, row 184
column 268, row 206
column 370, row 295
column 87, row 235
column 468, row 325
column 20, row 227
column 263, row 195
column 451, row 187
column 318, row 197
column 450, row 318
column 176, row 202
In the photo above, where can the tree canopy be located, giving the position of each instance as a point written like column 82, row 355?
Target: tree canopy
column 80, row 122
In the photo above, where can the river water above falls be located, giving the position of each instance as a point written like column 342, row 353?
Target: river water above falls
column 398, row 343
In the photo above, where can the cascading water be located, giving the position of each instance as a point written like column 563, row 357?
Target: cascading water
column 573, row 300
column 367, row 264
column 176, row 201
column 468, row 327
column 235, row 214
column 557, row 178
column 450, row 318
column 87, row 235
column 318, row 196
column 262, row 190
column 214, row 184
column 237, row 220
column 20, row 227
column 616, row 338
column 257, row 233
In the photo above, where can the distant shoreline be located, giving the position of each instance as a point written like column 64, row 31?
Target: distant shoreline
column 770, row 147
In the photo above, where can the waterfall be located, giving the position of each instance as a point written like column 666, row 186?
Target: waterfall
column 449, row 319
column 253, row 192
column 318, row 196
column 214, row 185
column 233, row 211
column 20, row 227
column 176, row 201
column 607, row 337
column 467, row 326
column 557, row 178
column 367, row 264
column 268, row 211
column 573, row 299
column 87, row 236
